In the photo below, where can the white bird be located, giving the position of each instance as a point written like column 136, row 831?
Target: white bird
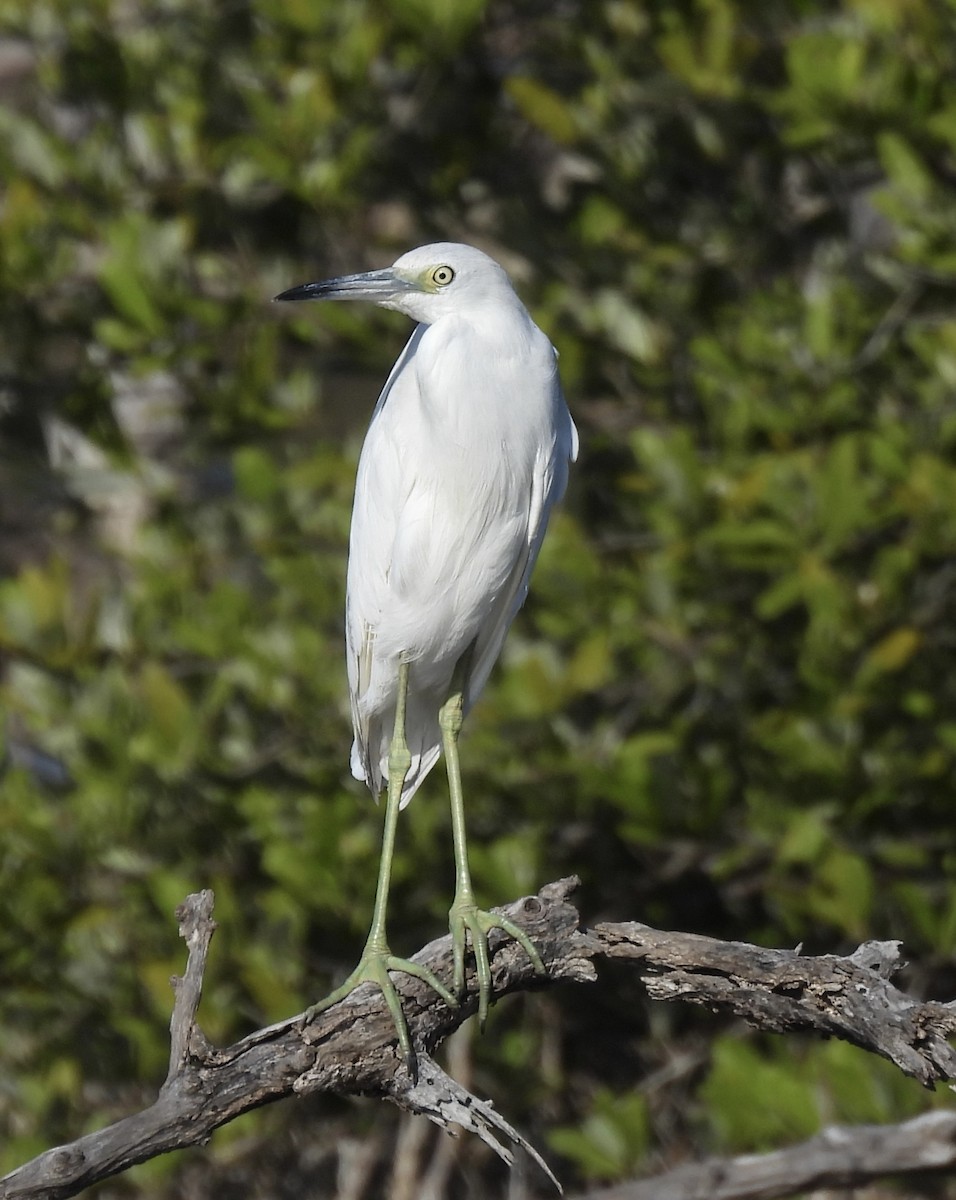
column 467, row 452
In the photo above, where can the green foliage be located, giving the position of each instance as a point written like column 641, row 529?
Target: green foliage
column 611, row 1141
column 760, row 1096
column 730, row 702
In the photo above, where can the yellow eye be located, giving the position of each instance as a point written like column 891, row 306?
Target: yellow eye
column 441, row 276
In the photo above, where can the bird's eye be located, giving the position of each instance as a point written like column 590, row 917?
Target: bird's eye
column 442, row 276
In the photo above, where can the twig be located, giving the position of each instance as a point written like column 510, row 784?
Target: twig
column 196, row 927
column 436, row 1096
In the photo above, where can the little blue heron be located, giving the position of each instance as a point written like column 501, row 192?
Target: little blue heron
column 467, row 452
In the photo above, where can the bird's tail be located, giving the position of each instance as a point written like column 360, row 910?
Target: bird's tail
column 372, row 768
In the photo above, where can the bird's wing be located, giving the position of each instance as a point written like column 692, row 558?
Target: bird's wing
column 408, row 352
column 548, row 482
column 359, row 633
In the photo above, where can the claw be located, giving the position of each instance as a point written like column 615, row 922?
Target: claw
column 374, row 967
column 467, row 918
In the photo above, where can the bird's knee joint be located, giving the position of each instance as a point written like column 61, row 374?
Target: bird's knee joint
column 451, row 717
column 399, row 759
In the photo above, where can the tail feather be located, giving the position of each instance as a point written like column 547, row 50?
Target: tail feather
column 374, row 771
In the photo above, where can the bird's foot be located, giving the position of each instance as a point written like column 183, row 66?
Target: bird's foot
column 374, row 967
column 464, row 918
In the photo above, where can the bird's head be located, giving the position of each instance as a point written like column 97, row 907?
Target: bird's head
column 428, row 283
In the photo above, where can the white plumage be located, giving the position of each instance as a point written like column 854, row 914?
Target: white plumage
column 467, row 452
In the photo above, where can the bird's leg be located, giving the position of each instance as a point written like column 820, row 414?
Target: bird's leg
column 377, row 959
column 465, row 916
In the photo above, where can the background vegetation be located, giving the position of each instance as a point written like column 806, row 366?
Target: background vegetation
column 730, row 704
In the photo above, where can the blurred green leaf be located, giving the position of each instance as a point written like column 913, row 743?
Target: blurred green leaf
column 543, row 107
column 757, row 1101
column 612, row 1140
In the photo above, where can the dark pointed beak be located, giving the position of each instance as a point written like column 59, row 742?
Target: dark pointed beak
column 371, row 285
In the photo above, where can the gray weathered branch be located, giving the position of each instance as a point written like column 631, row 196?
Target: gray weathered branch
column 783, row 991
column 350, row 1049
column 838, row 1157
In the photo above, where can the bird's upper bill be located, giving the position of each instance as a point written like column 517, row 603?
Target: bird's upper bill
column 378, row 286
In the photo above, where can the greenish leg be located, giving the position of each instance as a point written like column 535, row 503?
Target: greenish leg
column 464, row 916
column 377, row 959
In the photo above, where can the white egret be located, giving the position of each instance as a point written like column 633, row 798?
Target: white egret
column 466, row 454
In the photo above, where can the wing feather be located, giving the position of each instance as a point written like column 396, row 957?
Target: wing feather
column 548, row 482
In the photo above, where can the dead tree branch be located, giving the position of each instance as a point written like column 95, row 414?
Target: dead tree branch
column 837, row 1157
column 783, row 991
column 350, row 1049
